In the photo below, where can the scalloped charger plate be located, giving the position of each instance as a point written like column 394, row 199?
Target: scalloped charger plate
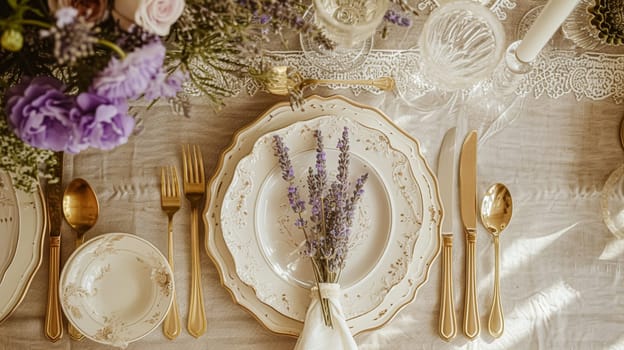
column 426, row 247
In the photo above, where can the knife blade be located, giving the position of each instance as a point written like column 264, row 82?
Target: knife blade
column 54, row 194
column 446, row 181
column 468, row 209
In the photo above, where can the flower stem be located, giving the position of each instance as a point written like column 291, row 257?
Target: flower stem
column 113, row 47
column 34, row 22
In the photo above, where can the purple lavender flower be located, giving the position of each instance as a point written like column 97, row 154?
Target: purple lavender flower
column 130, row 78
column 65, row 16
column 38, row 111
column 101, row 123
column 281, row 152
column 165, row 85
column 74, row 36
column 396, row 18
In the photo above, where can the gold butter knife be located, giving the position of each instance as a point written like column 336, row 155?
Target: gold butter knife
column 54, row 192
column 468, row 209
column 446, row 180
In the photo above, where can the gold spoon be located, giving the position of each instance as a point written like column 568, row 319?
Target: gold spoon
column 283, row 81
column 496, row 209
column 81, row 210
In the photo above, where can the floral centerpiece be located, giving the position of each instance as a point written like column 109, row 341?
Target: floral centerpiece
column 70, row 69
column 327, row 228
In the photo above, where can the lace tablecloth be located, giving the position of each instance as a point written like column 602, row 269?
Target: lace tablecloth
column 562, row 271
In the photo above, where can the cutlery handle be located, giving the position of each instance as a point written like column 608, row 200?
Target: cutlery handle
column 496, row 322
column 74, row 333
column 448, row 325
column 382, row 83
column 171, row 325
column 197, row 316
column 471, row 311
column 53, row 322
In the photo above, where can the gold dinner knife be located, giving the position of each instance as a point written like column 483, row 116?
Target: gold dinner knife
column 468, row 209
column 54, row 192
column 446, row 181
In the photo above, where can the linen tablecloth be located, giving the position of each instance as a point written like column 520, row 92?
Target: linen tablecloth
column 562, row 271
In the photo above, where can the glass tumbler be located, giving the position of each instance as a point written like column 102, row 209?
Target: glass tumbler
column 461, row 44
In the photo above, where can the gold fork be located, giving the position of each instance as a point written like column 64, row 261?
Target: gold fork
column 170, row 202
column 194, row 189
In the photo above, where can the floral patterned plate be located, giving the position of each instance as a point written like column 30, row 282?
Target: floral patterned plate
column 9, row 222
column 116, row 288
column 279, row 116
column 258, row 225
column 23, row 223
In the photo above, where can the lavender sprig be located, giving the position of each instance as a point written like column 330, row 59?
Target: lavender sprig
column 332, row 208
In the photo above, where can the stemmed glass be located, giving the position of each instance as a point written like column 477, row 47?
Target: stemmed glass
column 351, row 24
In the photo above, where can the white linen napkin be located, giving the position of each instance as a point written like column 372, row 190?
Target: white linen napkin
column 315, row 334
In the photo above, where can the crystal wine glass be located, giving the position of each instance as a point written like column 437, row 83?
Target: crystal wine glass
column 351, row 24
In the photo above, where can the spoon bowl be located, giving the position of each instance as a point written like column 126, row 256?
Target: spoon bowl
column 81, row 210
column 80, row 206
column 496, row 209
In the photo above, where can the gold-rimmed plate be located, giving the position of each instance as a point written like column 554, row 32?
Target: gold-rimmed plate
column 280, row 116
column 24, row 218
column 116, row 288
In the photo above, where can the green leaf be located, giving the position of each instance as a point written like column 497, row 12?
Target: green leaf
column 36, row 12
column 12, row 3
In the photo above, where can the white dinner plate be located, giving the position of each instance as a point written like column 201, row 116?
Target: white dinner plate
column 258, row 224
column 280, row 116
column 9, row 223
column 116, row 288
column 22, row 226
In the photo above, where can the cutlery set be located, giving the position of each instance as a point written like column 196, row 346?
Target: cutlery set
column 194, row 185
column 80, row 208
column 495, row 215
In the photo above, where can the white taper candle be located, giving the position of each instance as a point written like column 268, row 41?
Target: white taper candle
column 549, row 20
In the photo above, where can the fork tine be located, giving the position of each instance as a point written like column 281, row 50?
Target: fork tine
column 201, row 165
column 185, row 163
column 169, row 183
column 163, row 185
column 176, row 184
column 195, row 164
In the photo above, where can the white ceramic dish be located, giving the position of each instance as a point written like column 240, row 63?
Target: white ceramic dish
column 116, row 288
column 280, row 116
column 258, row 225
column 23, row 234
column 9, row 223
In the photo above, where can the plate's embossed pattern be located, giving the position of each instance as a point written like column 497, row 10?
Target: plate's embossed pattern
column 22, row 227
column 398, row 204
column 116, row 288
column 278, row 117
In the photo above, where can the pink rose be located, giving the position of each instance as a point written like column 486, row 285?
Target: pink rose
column 154, row 16
column 93, row 10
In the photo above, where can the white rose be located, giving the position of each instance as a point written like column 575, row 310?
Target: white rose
column 154, row 16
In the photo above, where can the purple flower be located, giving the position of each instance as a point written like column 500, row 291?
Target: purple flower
column 165, row 85
column 131, row 77
column 65, row 16
column 101, row 123
column 396, row 18
column 38, row 111
column 281, row 152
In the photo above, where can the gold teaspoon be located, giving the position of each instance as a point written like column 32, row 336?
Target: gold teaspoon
column 81, row 210
column 496, row 209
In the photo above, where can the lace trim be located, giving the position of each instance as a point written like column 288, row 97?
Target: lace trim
column 556, row 72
